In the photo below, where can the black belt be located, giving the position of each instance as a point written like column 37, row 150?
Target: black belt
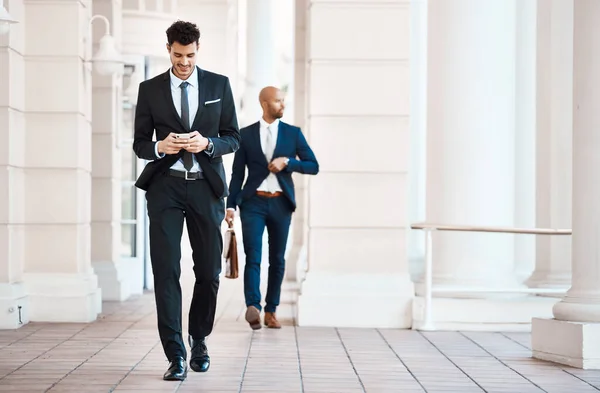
column 186, row 175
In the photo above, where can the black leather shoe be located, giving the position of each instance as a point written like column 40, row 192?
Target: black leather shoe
column 199, row 361
column 177, row 370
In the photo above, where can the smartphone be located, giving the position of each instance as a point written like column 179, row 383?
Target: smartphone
column 182, row 136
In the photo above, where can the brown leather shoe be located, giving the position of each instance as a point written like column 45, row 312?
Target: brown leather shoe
column 271, row 321
column 253, row 317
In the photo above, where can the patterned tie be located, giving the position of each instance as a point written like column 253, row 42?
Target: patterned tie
column 188, row 162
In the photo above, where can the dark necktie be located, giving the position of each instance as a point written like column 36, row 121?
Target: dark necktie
column 188, row 162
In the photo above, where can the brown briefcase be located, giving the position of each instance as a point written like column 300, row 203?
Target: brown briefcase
column 230, row 253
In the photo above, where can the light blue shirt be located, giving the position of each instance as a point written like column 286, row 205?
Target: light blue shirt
column 192, row 90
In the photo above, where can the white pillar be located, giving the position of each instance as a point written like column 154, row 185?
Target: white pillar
column 554, row 141
column 418, row 132
column 472, row 120
column 261, row 61
column 14, row 304
column 471, row 138
column 118, row 277
column 582, row 302
column 577, row 316
column 525, row 137
column 296, row 260
column 58, row 272
column 358, row 113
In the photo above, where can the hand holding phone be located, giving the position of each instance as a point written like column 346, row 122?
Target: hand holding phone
column 173, row 143
column 183, row 140
column 185, row 136
column 196, row 143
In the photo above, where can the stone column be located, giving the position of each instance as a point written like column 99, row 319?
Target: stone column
column 14, row 304
column 261, row 62
column 57, row 192
column 358, row 93
column 418, row 131
column 296, row 260
column 525, row 137
column 118, row 277
column 577, row 316
column 471, row 158
column 471, row 139
column 554, row 141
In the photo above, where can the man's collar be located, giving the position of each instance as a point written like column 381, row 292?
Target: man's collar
column 192, row 80
column 263, row 123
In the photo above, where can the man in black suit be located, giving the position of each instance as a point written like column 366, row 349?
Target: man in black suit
column 271, row 150
column 193, row 114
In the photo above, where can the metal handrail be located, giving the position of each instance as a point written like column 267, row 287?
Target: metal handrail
column 430, row 227
column 471, row 228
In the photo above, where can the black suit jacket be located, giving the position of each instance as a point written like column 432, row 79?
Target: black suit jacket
column 218, row 121
column 290, row 143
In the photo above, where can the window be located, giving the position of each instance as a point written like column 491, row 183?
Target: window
column 129, row 202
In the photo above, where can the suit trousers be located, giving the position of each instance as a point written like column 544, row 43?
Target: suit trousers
column 171, row 201
column 275, row 214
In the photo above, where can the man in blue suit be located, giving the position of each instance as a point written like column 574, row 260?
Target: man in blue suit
column 271, row 150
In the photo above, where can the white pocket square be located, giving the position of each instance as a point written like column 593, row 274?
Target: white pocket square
column 212, row 102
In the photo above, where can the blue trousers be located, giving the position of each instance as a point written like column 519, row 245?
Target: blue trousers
column 275, row 214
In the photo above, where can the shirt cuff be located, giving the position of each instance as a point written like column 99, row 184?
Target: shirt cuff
column 158, row 155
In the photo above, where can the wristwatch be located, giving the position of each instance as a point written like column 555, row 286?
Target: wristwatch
column 210, row 146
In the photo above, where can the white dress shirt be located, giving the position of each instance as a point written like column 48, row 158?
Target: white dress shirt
column 270, row 184
column 192, row 91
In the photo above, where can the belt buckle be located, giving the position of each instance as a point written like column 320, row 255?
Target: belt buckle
column 186, row 176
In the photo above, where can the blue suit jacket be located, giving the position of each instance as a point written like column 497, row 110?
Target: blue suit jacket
column 290, row 143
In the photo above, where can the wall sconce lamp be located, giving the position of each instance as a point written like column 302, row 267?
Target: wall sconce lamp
column 107, row 60
column 5, row 19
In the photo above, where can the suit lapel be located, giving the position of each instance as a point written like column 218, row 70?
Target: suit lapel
column 166, row 87
column 201, row 98
column 280, row 135
column 257, row 142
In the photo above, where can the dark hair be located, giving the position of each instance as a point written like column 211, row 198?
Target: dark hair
column 183, row 32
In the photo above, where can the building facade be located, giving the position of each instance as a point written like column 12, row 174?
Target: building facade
column 446, row 111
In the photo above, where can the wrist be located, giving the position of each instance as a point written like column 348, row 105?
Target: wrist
column 287, row 161
column 159, row 147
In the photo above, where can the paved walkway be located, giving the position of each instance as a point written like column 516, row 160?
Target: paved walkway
column 121, row 353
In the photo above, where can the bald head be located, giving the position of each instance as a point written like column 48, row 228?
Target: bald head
column 267, row 93
column 272, row 102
